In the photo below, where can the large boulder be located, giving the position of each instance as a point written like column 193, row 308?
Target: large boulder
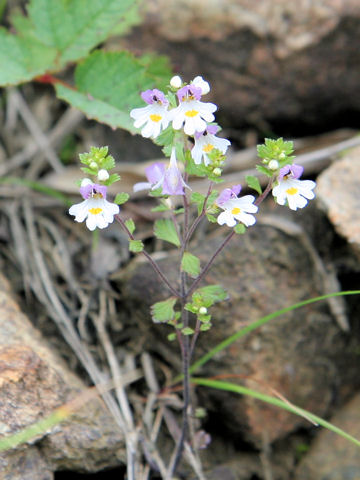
column 303, row 356
column 286, row 62
column 34, row 381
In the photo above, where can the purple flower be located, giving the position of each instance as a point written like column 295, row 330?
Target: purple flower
column 154, row 96
column 88, row 190
column 293, row 171
column 172, row 182
column 227, row 194
column 189, row 92
column 154, row 173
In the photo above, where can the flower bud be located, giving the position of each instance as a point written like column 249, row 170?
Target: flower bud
column 176, row 81
column 217, row 171
column 103, row 175
column 282, row 155
column 273, row 165
column 93, row 165
column 85, row 181
column 203, row 310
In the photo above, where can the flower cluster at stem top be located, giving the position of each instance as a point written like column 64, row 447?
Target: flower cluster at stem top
column 184, row 126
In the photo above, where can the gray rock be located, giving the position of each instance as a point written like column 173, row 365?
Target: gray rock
column 34, row 382
column 265, row 60
column 301, row 355
column 338, row 193
column 332, row 457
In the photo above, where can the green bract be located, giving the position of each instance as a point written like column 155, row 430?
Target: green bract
column 163, row 312
column 164, row 229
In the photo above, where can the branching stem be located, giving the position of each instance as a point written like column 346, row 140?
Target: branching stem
column 151, row 260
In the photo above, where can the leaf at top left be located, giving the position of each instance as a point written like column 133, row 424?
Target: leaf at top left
column 57, row 32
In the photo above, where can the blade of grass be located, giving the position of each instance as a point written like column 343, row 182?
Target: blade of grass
column 37, row 187
column 232, row 387
column 258, row 323
column 64, row 411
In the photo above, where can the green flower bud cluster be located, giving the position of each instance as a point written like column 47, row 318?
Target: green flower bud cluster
column 275, row 154
column 98, row 163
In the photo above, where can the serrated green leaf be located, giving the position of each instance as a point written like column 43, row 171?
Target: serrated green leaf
column 89, row 171
column 108, row 163
column 171, row 337
column 74, row 27
column 24, row 58
column 136, row 246
column 212, row 197
column 197, row 170
column 212, row 293
column 205, row 326
column 199, row 199
column 114, row 177
column 191, row 308
column 130, row 225
column 164, row 229
column 190, row 264
column 55, row 33
column 108, row 86
column 162, row 312
column 211, row 218
column 121, row 198
column 161, row 208
column 166, row 137
column 264, row 170
column 187, row 331
column 253, row 182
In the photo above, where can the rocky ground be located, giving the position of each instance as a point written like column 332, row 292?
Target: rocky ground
column 69, row 317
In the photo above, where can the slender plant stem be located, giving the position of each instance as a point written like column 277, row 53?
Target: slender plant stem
column 200, row 217
column 185, row 351
column 196, row 282
column 208, row 265
column 265, row 193
column 152, row 262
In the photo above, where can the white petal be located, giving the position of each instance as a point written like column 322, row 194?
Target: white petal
column 141, row 186
column 196, row 153
column 80, row 211
column 226, row 217
column 246, row 219
column 91, row 222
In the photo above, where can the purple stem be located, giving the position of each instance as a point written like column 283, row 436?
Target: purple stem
column 152, row 262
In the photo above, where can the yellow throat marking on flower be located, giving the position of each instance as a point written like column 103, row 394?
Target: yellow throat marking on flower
column 155, row 118
column 191, row 113
column 95, row 210
column 292, row 191
column 97, row 195
column 235, row 210
column 208, row 147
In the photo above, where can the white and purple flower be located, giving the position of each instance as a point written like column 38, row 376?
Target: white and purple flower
column 191, row 112
column 154, row 173
column 95, row 209
column 291, row 190
column 236, row 209
column 205, row 142
column 154, row 117
column 172, row 182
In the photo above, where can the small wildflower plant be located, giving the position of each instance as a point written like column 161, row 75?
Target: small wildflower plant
column 183, row 124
